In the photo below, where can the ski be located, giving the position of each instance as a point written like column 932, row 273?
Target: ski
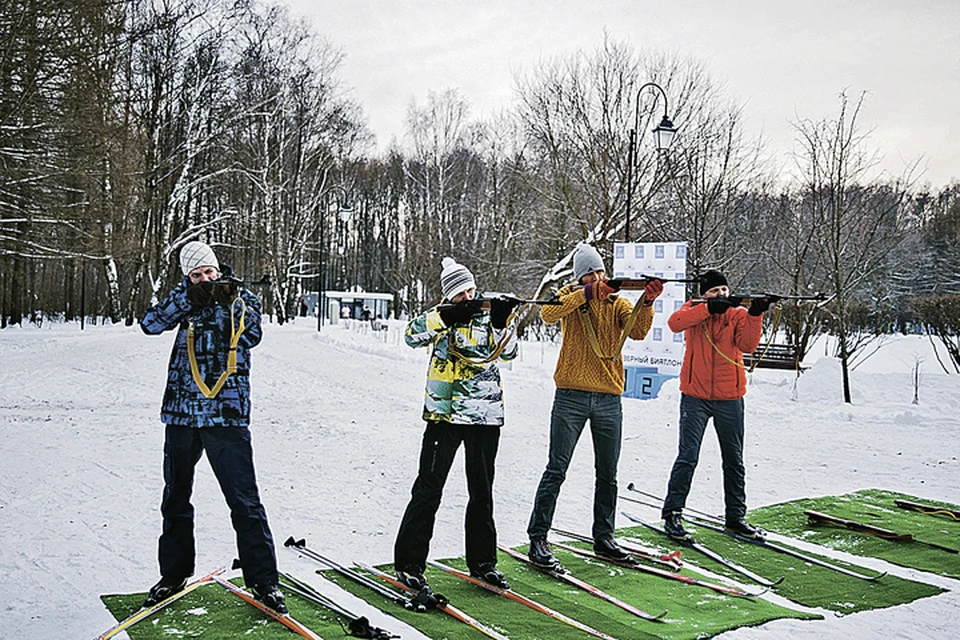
column 928, row 509
column 285, row 619
column 516, row 597
column 564, row 576
column 732, row 591
column 146, row 612
column 766, row 544
column 671, row 560
column 358, row 626
column 815, row 517
column 443, row 606
column 350, row 574
column 716, row 557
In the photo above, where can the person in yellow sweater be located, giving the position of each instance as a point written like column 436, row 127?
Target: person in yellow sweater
column 589, row 379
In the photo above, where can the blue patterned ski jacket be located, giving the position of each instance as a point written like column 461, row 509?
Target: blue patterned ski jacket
column 183, row 403
column 459, row 391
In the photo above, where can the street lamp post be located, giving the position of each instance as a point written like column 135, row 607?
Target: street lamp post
column 344, row 210
column 663, row 136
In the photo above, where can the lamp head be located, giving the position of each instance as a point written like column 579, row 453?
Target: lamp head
column 664, row 134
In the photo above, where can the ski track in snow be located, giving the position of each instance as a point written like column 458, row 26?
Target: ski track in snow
column 337, row 427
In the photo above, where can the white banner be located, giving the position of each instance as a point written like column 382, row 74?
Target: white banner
column 659, row 356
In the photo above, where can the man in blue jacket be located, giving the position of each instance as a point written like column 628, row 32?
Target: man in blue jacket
column 206, row 407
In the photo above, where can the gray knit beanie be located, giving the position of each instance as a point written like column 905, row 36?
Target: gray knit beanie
column 586, row 260
column 197, row 254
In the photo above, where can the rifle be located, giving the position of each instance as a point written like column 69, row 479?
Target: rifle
column 484, row 303
column 928, row 509
column 747, row 299
column 815, row 517
column 637, row 284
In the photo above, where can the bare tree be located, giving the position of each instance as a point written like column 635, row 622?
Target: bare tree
column 858, row 226
column 578, row 111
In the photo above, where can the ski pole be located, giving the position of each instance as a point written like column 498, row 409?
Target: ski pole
column 713, row 555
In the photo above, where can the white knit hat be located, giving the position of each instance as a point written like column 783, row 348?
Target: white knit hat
column 586, row 260
column 197, row 254
column 455, row 278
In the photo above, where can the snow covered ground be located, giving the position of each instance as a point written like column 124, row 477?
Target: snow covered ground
column 337, row 429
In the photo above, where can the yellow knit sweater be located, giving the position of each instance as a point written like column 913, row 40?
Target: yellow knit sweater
column 578, row 367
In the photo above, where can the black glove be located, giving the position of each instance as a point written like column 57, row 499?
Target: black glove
column 500, row 309
column 225, row 290
column 718, row 305
column 761, row 304
column 201, row 294
column 459, row 313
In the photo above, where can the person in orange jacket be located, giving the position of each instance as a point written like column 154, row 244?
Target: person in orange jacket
column 712, row 384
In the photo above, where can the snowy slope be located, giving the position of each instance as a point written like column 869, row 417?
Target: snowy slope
column 337, row 431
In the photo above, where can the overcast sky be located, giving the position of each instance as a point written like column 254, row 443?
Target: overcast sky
column 780, row 60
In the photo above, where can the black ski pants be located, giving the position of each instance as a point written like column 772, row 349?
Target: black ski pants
column 231, row 456
column 440, row 443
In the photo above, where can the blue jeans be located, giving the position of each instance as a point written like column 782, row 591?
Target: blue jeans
column 571, row 410
column 728, row 421
column 231, row 457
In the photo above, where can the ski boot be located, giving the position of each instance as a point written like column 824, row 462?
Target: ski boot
column 673, row 525
column 163, row 590
column 270, row 595
column 540, row 554
column 487, row 572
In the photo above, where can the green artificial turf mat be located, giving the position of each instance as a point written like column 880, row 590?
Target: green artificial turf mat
column 212, row 613
column 693, row 612
column 875, row 507
column 806, row 584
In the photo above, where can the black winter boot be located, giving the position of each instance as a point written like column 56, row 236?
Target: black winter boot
column 489, row 574
column 412, row 576
column 540, row 554
column 163, row 590
column 673, row 525
column 270, row 595
column 740, row 527
column 608, row 548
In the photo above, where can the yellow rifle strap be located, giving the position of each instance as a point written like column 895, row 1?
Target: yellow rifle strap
column 231, row 355
column 497, row 350
column 592, row 333
column 776, row 321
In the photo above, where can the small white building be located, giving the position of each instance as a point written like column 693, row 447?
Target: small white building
column 365, row 305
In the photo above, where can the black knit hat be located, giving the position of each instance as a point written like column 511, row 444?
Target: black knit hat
column 711, row 279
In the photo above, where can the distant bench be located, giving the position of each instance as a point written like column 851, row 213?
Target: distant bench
column 774, row 356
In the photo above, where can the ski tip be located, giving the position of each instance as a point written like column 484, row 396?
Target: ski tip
column 631, row 486
column 292, row 542
column 236, row 564
column 877, row 577
column 777, row 581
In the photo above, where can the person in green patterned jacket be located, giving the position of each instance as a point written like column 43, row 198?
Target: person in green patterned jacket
column 463, row 404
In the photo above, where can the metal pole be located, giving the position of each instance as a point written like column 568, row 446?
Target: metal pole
column 630, row 159
column 632, row 150
column 320, row 274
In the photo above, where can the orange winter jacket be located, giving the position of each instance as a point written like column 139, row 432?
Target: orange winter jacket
column 706, row 374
